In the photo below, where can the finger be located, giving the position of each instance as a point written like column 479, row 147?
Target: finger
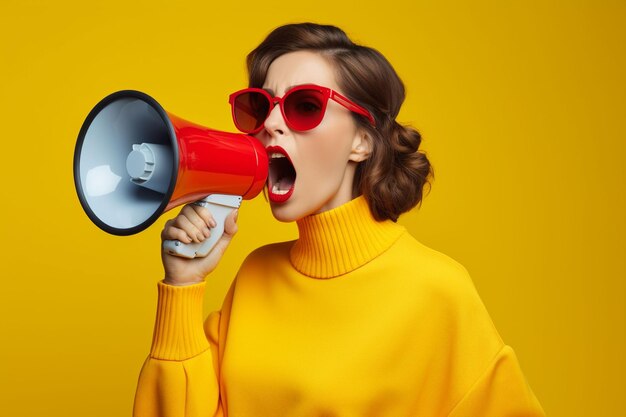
column 166, row 233
column 192, row 215
column 182, row 222
column 174, row 233
column 205, row 214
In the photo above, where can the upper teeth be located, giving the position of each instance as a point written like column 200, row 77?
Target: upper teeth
column 276, row 155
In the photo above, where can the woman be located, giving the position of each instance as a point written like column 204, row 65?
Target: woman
column 356, row 317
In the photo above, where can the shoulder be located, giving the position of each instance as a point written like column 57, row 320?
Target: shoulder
column 273, row 254
column 436, row 278
column 448, row 288
column 428, row 265
column 262, row 269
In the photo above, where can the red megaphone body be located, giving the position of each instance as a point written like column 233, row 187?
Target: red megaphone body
column 219, row 162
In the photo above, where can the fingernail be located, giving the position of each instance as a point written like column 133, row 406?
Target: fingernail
column 207, row 232
column 236, row 214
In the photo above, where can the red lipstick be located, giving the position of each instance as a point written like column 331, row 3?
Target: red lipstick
column 282, row 175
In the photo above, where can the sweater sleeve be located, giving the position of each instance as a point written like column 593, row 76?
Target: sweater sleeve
column 180, row 377
column 501, row 391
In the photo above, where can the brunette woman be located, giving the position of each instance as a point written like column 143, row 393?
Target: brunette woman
column 354, row 318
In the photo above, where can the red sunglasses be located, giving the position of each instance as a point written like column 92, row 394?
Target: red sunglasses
column 303, row 107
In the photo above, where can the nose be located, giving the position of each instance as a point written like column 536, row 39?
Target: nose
column 275, row 123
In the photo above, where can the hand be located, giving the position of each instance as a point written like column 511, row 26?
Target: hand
column 193, row 224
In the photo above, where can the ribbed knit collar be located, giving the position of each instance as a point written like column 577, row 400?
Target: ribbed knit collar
column 341, row 240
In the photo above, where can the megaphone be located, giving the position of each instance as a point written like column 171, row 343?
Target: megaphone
column 134, row 161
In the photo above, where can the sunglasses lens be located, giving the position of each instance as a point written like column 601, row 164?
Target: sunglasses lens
column 250, row 111
column 304, row 109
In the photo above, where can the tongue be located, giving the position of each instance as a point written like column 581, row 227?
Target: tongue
column 284, row 183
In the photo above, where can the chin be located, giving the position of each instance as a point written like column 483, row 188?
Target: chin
column 285, row 214
column 299, row 206
column 295, row 208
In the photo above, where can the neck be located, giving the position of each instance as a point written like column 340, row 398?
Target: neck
column 341, row 240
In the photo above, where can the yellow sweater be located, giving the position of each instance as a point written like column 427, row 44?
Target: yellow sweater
column 355, row 318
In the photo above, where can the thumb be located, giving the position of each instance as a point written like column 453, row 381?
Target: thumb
column 230, row 228
column 230, row 224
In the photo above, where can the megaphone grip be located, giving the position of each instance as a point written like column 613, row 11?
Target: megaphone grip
column 220, row 205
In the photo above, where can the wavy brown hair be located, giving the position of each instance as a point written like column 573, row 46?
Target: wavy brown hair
column 393, row 178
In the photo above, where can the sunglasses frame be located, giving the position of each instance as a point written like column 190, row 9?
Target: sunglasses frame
column 327, row 94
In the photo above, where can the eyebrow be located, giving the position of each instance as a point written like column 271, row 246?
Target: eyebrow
column 271, row 92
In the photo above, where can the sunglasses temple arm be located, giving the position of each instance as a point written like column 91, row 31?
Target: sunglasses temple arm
column 350, row 105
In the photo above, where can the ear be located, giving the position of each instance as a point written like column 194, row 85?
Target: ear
column 361, row 146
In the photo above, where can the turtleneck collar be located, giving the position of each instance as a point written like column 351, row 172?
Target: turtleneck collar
column 341, row 240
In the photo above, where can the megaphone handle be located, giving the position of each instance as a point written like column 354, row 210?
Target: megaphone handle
column 220, row 205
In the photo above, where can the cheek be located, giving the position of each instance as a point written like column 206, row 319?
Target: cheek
column 329, row 148
column 323, row 159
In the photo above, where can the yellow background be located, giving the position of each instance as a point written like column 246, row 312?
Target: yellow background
column 521, row 105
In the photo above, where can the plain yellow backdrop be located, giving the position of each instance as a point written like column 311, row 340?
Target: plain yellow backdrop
column 521, row 105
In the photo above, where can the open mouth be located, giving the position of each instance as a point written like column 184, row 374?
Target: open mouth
column 282, row 175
